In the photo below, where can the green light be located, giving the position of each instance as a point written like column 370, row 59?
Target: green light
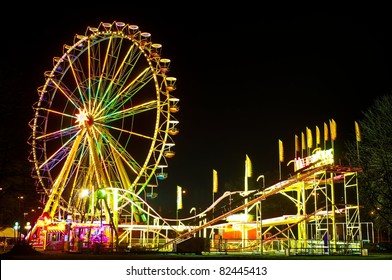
column 101, row 194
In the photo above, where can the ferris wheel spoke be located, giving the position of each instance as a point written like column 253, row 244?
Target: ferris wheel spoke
column 136, row 84
column 124, row 93
column 103, row 74
column 79, row 179
column 100, row 153
column 115, row 115
column 58, row 155
column 78, row 76
column 103, row 70
column 84, row 183
column 62, row 179
column 57, row 112
column 122, row 71
column 121, row 151
column 68, row 95
column 58, row 134
column 131, row 133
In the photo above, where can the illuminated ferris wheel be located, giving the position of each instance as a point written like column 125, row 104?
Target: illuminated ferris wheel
column 104, row 120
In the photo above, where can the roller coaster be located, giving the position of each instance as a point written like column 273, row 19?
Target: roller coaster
column 234, row 223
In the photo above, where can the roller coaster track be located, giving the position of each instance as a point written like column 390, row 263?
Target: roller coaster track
column 266, row 193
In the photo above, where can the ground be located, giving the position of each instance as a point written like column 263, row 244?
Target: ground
column 25, row 252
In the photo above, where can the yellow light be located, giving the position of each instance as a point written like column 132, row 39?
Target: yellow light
column 81, row 118
column 239, row 218
column 326, row 132
column 248, row 166
column 84, row 193
column 357, row 132
column 281, row 154
column 179, row 198
column 215, row 180
column 309, row 137
column 332, row 125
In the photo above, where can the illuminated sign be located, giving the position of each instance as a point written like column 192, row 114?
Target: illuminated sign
column 319, row 158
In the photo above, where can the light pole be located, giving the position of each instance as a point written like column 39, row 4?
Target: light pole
column 193, row 209
column 261, row 214
column 258, row 178
column 16, row 232
column 27, row 228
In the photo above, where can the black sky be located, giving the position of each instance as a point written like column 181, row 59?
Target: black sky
column 247, row 77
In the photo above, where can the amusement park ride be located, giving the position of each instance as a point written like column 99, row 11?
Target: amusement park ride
column 102, row 132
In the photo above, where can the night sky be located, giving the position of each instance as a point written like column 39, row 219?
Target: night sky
column 245, row 79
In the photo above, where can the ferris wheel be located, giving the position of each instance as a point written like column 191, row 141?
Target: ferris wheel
column 104, row 119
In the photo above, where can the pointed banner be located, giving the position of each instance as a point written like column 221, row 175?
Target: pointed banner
column 281, row 154
column 214, row 181
column 303, row 141
column 309, row 137
column 179, row 198
column 296, row 143
column 357, row 132
column 248, row 167
column 332, row 125
column 317, row 136
column 326, row 132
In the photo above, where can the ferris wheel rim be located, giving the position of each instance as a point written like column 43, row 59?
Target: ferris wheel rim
column 87, row 119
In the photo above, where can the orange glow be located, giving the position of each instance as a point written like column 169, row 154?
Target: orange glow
column 332, row 125
column 326, row 132
column 303, row 141
column 309, row 137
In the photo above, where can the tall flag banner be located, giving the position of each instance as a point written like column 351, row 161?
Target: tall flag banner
column 179, row 198
column 309, row 137
column 281, row 154
column 296, row 145
column 332, row 125
column 317, row 136
column 326, row 138
column 357, row 132
column 358, row 137
column 215, row 181
column 248, row 167
column 303, row 141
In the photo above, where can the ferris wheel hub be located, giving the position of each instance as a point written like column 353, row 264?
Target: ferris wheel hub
column 84, row 119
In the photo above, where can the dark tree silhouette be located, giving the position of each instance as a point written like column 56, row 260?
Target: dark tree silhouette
column 372, row 151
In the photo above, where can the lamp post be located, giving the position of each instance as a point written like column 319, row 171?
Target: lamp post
column 262, row 177
column 16, row 232
column 261, row 214
column 27, row 228
column 193, row 209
